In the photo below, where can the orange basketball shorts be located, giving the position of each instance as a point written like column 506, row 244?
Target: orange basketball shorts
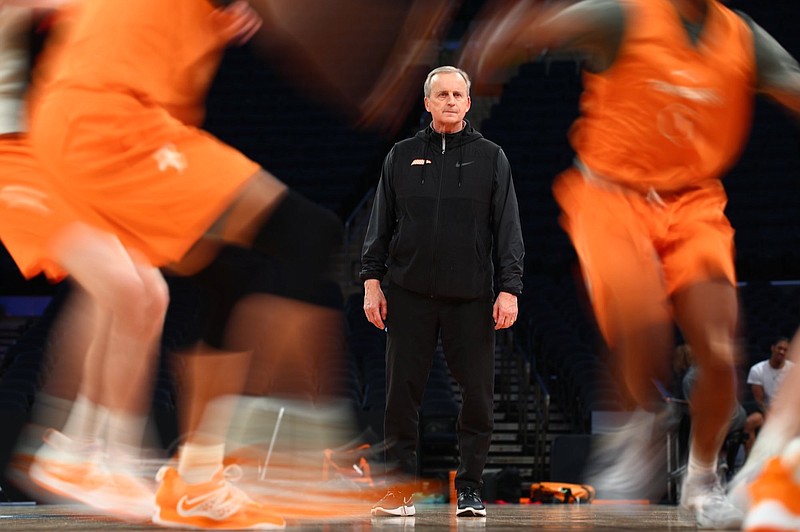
column 159, row 183
column 31, row 212
column 636, row 252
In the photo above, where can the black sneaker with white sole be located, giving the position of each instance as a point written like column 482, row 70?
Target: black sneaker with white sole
column 470, row 503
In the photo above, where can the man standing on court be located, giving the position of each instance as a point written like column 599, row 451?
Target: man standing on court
column 445, row 206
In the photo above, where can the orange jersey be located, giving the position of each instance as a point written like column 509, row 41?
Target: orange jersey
column 162, row 53
column 114, row 121
column 669, row 114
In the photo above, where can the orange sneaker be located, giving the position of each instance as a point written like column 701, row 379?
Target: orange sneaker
column 66, row 478
column 62, row 468
column 216, row 504
column 396, row 503
column 775, row 494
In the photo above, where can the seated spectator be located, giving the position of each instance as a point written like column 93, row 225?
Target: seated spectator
column 764, row 379
column 681, row 363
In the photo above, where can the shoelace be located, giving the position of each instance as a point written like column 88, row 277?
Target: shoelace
column 227, row 499
column 224, row 501
column 716, row 502
column 468, row 493
column 717, row 494
column 392, row 494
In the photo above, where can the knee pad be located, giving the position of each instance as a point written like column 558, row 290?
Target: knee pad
column 301, row 234
column 219, row 287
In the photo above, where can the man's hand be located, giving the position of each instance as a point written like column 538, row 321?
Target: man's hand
column 375, row 303
column 236, row 22
column 505, row 310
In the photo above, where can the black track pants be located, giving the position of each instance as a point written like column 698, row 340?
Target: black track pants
column 414, row 322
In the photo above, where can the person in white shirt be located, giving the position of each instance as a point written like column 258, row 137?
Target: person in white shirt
column 765, row 376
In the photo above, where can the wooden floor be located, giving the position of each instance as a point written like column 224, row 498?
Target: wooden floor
column 430, row 518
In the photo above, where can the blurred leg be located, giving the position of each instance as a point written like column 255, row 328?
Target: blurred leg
column 624, row 280
column 707, row 314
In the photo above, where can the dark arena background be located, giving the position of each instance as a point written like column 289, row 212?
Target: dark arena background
column 553, row 389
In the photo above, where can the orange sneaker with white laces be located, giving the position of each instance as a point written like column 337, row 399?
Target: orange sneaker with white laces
column 775, row 494
column 215, row 505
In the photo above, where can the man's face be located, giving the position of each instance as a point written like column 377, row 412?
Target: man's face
column 778, row 353
column 449, row 102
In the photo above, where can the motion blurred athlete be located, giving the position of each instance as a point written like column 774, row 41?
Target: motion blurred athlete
column 46, row 232
column 117, row 120
column 666, row 109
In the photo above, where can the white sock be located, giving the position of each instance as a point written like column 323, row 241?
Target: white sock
column 125, row 429
column 697, row 469
column 100, row 423
column 83, row 423
column 198, row 463
column 124, row 439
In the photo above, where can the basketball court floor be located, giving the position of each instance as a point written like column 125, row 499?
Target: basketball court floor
column 429, row 518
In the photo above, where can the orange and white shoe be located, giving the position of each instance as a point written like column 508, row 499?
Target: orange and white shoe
column 74, row 477
column 79, row 472
column 214, row 505
column 775, row 494
column 396, row 503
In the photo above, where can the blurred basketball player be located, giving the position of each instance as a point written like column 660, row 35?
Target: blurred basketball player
column 45, row 233
column 666, row 110
column 118, row 119
column 368, row 67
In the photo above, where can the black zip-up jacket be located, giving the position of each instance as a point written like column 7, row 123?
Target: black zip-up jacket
column 445, row 205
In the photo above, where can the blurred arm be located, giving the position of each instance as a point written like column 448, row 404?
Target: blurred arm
column 593, row 28
column 35, row 4
column 759, row 396
column 778, row 72
column 236, row 22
